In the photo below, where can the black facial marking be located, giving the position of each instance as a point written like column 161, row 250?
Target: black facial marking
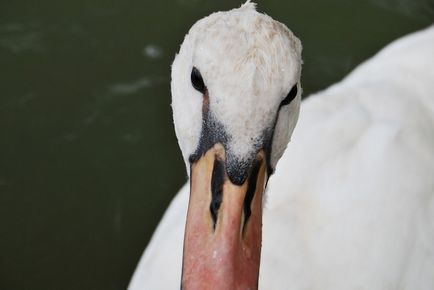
column 214, row 132
column 217, row 179
column 291, row 95
column 197, row 80
column 251, row 189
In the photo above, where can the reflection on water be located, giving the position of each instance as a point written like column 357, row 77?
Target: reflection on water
column 152, row 51
column 130, row 88
column 88, row 157
column 18, row 38
column 422, row 9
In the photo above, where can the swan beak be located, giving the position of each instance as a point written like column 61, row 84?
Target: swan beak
column 222, row 243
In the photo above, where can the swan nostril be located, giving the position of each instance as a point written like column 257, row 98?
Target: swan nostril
column 251, row 189
column 217, row 179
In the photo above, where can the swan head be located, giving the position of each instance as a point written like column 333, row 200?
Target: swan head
column 235, row 97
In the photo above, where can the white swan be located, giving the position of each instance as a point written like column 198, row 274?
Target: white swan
column 351, row 205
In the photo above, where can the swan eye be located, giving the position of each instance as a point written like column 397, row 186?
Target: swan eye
column 197, row 80
column 291, row 95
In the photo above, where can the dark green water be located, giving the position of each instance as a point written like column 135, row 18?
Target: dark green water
column 88, row 157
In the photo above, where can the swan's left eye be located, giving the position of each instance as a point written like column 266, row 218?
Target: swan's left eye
column 197, row 80
column 291, row 95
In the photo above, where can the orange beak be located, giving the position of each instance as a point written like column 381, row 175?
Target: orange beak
column 222, row 243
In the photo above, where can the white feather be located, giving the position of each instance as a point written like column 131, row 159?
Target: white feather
column 351, row 205
column 249, row 62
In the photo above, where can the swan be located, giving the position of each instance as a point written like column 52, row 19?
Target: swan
column 351, row 202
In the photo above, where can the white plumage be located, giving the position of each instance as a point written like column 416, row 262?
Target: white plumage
column 249, row 61
column 351, row 205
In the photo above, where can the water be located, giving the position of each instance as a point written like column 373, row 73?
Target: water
column 88, row 157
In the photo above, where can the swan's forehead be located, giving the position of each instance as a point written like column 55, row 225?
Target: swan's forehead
column 249, row 62
column 245, row 49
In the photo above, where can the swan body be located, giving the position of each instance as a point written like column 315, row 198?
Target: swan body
column 351, row 205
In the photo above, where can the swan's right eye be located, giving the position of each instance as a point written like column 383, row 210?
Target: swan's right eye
column 291, row 95
column 197, row 80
